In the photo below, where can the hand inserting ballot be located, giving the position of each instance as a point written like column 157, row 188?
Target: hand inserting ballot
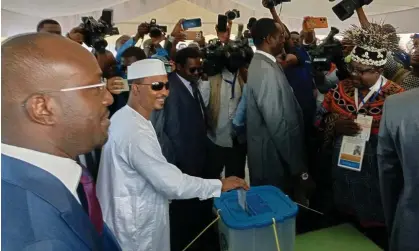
column 233, row 182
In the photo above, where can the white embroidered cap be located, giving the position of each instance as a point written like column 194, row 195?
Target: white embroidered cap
column 146, row 68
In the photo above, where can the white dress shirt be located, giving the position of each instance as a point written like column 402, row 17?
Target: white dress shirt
column 64, row 169
column 135, row 184
column 267, row 55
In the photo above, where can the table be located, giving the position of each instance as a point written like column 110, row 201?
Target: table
column 339, row 238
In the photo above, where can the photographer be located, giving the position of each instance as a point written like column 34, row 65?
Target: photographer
column 222, row 97
column 122, row 44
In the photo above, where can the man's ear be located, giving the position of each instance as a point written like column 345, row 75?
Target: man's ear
column 40, row 109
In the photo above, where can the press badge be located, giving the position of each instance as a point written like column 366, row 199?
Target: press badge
column 351, row 153
column 365, row 122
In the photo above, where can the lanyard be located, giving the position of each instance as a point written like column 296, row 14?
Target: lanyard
column 233, row 84
column 367, row 98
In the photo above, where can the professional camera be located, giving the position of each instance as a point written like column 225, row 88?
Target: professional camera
column 231, row 56
column 233, row 14
column 153, row 25
column 94, row 31
column 273, row 3
column 330, row 50
column 213, row 55
column 346, row 8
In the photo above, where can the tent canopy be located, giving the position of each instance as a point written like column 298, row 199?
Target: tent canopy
column 23, row 15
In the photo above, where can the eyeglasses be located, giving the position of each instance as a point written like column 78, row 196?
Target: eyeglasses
column 158, row 86
column 355, row 71
column 195, row 69
column 100, row 87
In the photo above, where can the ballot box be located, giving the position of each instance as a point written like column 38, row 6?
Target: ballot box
column 268, row 218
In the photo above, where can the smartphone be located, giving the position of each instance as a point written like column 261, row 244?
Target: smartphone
column 191, row 23
column 222, row 23
column 192, row 35
column 317, row 23
column 250, row 42
column 107, row 16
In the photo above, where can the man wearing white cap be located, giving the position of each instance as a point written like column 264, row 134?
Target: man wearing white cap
column 135, row 182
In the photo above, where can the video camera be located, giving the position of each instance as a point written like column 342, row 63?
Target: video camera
column 153, row 25
column 94, row 31
column 346, row 8
column 233, row 14
column 232, row 56
column 273, row 3
column 330, row 50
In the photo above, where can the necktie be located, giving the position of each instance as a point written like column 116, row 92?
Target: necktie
column 91, row 203
column 195, row 91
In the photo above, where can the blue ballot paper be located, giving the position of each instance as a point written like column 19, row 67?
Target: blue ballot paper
column 241, row 195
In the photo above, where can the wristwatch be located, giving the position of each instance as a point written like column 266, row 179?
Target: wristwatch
column 304, row 176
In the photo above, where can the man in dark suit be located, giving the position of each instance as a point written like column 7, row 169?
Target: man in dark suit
column 55, row 108
column 398, row 166
column 186, row 134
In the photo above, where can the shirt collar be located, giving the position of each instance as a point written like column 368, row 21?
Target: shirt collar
column 64, row 169
column 267, row 55
column 381, row 81
column 186, row 82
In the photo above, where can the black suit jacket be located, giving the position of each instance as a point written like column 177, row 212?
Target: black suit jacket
column 181, row 129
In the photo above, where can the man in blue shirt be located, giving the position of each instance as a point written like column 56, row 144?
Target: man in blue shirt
column 124, row 42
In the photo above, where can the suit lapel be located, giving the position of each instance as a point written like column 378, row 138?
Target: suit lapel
column 262, row 57
column 53, row 191
column 183, row 90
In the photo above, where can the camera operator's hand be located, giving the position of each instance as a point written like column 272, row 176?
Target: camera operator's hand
column 233, row 182
column 178, row 28
column 180, row 37
column 115, row 85
column 347, row 127
column 76, row 34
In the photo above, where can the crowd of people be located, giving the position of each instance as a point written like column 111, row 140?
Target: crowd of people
column 88, row 164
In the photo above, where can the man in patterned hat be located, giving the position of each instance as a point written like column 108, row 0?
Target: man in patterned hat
column 360, row 98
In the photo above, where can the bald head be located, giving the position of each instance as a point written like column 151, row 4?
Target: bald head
column 38, row 62
column 36, row 114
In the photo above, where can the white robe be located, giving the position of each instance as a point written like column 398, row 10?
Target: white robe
column 135, row 184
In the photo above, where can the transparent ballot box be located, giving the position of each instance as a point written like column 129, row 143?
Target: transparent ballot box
column 267, row 220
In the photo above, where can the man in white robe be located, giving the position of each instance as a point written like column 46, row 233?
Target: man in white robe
column 135, row 182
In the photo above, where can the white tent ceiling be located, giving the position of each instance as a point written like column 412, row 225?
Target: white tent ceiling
column 22, row 15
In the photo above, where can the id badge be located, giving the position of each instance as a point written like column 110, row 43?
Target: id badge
column 365, row 122
column 351, row 153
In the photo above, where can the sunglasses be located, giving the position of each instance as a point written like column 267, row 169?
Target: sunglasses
column 158, row 86
column 193, row 70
